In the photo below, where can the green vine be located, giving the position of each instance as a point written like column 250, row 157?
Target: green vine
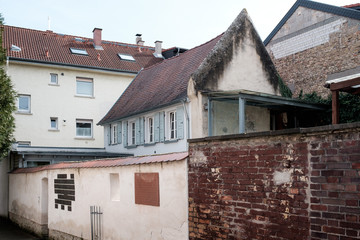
column 284, row 89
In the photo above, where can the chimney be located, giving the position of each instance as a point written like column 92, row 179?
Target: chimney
column 97, row 38
column 139, row 40
column 158, row 49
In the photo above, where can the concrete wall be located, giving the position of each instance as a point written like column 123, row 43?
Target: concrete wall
column 312, row 45
column 293, row 184
column 61, row 101
column 121, row 218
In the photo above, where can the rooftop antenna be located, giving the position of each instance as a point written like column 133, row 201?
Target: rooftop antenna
column 49, row 28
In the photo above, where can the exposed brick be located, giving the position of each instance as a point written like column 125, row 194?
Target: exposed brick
column 334, row 230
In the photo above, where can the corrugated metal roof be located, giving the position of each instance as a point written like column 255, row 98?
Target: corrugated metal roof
column 104, row 163
column 341, row 11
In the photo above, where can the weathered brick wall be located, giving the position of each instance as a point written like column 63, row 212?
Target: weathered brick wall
column 298, row 184
column 308, row 70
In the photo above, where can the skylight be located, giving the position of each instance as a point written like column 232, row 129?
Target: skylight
column 78, row 51
column 15, row 48
column 126, row 57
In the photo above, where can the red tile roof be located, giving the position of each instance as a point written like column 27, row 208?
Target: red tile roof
column 352, row 5
column 104, row 163
column 161, row 84
column 34, row 45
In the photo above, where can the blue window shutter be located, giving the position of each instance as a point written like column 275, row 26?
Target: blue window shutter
column 109, row 135
column 137, row 131
column 162, row 127
column 119, row 132
column 142, row 130
column 157, row 127
column 180, row 122
column 125, row 134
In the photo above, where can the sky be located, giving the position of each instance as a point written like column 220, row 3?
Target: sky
column 181, row 23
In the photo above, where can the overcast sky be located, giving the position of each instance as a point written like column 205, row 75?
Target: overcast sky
column 181, row 23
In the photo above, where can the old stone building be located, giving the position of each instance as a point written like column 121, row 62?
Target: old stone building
column 312, row 42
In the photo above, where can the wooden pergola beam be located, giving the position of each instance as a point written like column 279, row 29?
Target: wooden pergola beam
column 344, row 84
column 335, row 107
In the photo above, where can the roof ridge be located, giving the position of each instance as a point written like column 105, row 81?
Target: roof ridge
column 184, row 53
column 76, row 36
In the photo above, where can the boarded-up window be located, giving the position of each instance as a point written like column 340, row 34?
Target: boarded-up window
column 147, row 189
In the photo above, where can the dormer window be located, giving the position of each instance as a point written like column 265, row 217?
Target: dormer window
column 15, row 48
column 126, row 57
column 78, row 51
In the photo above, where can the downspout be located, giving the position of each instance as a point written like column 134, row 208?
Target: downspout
column 7, row 65
column 187, row 124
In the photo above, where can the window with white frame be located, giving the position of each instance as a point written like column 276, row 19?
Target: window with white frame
column 149, row 130
column 23, row 103
column 171, row 125
column 84, row 87
column 84, row 128
column 132, row 133
column 53, row 123
column 114, row 133
column 53, row 79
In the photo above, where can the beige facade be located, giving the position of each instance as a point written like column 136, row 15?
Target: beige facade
column 61, row 102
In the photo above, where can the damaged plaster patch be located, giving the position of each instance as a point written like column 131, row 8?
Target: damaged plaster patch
column 198, row 158
column 282, row 177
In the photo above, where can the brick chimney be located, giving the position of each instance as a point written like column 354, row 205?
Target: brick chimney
column 158, row 49
column 97, row 38
column 139, row 40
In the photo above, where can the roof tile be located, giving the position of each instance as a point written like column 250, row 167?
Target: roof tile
column 103, row 163
column 34, row 44
column 161, row 84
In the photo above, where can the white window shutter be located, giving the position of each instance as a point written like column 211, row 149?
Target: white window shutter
column 180, row 122
column 125, row 134
column 157, row 127
column 162, row 127
column 109, row 134
column 119, row 132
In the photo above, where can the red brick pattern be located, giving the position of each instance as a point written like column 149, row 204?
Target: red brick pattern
column 300, row 186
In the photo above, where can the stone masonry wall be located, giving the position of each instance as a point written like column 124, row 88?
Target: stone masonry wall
column 307, row 70
column 293, row 184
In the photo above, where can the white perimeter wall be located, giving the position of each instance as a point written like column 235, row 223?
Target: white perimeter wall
column 122, row 219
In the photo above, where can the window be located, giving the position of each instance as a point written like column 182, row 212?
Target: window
column 15, row 48
column 132, row 133
column 84, row 128
column 53, row 123
column 113, row 134
column 84, row 87
column 78, row 51
column 149, row 130
column 53, row 78
column 171, row 125
column 126, row 57
column 23, row 103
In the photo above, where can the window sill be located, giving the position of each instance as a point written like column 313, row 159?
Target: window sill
column 53, row 84
column 149, row 144
column 171, row 141
column 84, row 138
column 84, row 96
column 114, row 144
column 131, row 146
column 53, row 130
column 23, row 113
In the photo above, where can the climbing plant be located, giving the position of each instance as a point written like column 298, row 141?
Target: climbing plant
column 7, row 103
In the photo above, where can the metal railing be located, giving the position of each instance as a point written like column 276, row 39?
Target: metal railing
column 96, row 222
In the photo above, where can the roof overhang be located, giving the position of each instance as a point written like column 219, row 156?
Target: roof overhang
column 348, row 81
column 264, row 100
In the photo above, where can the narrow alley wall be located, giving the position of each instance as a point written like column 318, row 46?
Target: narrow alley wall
column 293, row 184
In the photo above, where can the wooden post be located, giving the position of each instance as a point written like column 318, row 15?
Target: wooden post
column 335, row 107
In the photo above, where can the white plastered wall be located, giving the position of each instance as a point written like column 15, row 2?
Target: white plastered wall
column 122, row 219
